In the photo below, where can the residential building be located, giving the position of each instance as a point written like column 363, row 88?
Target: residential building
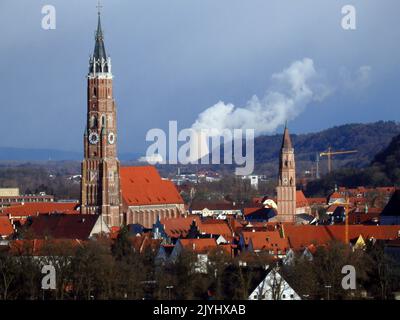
column 218, row 210
column 274, row 287
column 62, row 226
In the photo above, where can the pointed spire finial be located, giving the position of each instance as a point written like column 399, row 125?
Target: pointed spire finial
column 99, row 63
column 99, row 6
column 287, row 142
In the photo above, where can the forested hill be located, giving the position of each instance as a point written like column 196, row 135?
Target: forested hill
column 384, row 170
column 388, row 160
column 369, row 139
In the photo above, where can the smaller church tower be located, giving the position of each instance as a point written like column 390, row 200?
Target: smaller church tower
column 286, row 189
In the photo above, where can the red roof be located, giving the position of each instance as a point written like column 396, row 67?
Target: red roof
column 6, row 228
column 199, row 245
column 60, row 226
column 178, row 227
column 35, row 208
column 267, row 240
column 301, row 200
column 215, row 227
column 143, row 185
column 301, row 236
column 336, row 195
column 316, row 200
column 145, row 242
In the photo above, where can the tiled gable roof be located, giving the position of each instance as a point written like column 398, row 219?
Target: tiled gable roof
column 35, row 208
column 266, row 240
column 178, row 227
column 63, row 226
column 203, row 245
column 142, row 185
column 215, row 227
column 301, row 236
column 145, row 242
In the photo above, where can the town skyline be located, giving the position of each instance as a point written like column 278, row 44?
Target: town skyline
column 282, row 217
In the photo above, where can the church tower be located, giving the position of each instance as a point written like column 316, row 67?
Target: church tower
column 100, row 186
column 286, row 189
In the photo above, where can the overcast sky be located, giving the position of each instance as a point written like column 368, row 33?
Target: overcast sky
column 173, row 59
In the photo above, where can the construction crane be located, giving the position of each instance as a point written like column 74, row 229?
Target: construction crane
column 331, row 153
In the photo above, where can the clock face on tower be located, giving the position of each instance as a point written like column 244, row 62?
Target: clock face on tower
column 111, row 138
column 285, row 181
column 93, row 138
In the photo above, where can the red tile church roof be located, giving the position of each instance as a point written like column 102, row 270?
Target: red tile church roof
column 143, row 185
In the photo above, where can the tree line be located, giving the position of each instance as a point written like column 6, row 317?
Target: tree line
column 105, row 269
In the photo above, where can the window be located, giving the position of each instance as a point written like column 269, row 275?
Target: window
column 93, row 122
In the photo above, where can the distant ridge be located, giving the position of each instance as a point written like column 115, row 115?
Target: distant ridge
column 368, row 139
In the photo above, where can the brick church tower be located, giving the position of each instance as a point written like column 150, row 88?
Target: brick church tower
column 286, row 189
column 100, row 186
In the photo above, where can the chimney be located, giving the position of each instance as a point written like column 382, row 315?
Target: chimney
column 282, row 231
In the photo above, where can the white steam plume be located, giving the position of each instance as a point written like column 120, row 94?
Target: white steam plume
column 292, row 90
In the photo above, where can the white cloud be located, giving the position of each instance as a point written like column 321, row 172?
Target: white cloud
column 292, row 90
column 357, row 80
